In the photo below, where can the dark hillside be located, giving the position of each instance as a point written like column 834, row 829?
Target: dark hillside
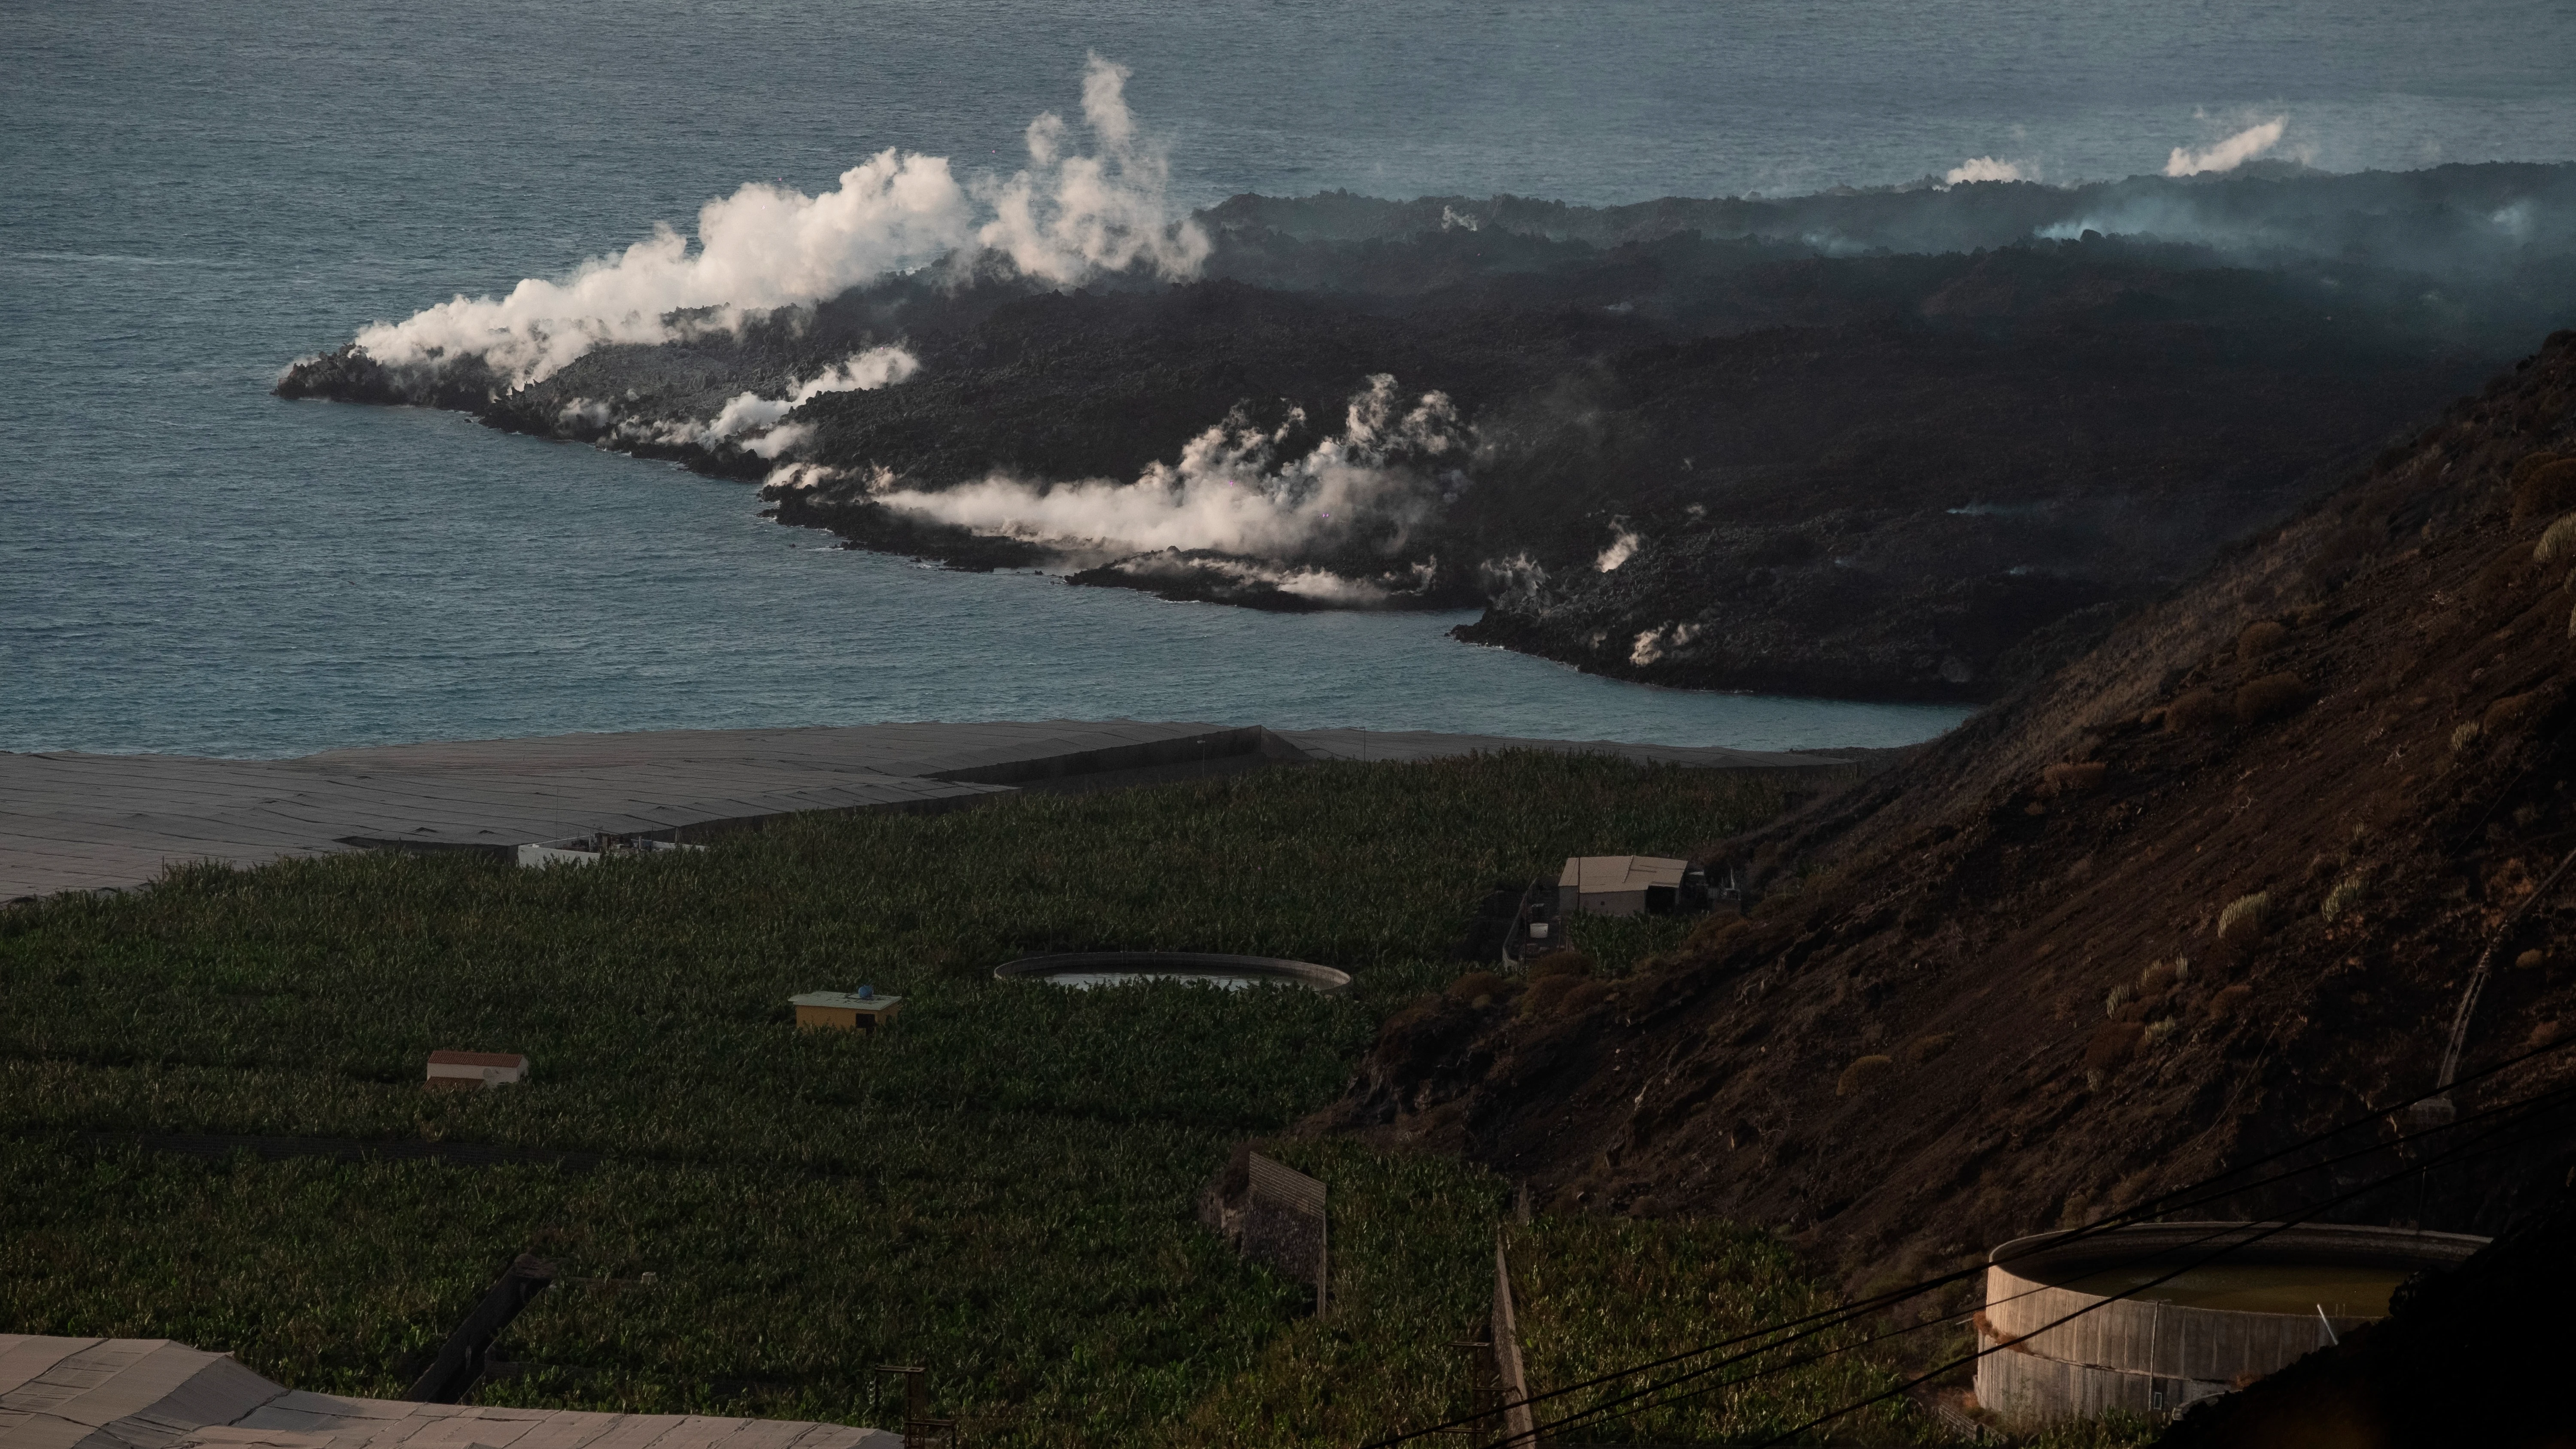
column 2001, row 986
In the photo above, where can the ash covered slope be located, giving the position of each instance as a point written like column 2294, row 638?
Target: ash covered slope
column 1999, row 998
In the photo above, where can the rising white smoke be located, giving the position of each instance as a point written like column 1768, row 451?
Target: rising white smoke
column 1231, row 492
column 1622, row 548
column 1517, row 584
column 1068, row 216
column 754, row 421
column 766, row 247
column 1985, row 168
column 751, row 413
column 2229, row 154
column 1650, row 645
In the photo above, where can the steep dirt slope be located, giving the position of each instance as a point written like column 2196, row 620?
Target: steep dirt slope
column 1945, row 1022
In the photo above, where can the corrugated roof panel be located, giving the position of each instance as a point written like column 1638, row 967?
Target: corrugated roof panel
column 30, row 1355
column 78, row 1373
column 160, row 1372
column 221, row 1391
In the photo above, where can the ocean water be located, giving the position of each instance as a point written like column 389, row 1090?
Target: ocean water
column 192, row 195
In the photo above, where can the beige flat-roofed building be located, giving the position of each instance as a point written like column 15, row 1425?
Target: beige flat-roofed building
column 1613, row 885
column 460, row 1070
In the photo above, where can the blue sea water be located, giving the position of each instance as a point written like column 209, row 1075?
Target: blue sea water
column 191, row 195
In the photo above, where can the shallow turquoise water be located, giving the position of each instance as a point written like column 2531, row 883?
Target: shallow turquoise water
column 192, row 195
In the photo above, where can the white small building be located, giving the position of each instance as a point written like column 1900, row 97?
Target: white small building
column 1613, row 885
column 591, row 849
column 460, row 1071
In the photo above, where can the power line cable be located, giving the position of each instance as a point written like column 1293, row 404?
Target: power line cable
column 2153, row 1207
column 1602, row 1410
column 2519, row 1114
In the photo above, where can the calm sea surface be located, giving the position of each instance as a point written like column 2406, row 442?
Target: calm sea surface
column 191, row 195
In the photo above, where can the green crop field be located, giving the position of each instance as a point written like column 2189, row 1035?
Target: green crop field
column 1002, row 1186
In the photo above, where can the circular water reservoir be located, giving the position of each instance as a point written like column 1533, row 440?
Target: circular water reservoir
column 2152, row 1317
column 1114, row 968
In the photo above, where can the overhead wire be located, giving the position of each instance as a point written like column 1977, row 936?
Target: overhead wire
column 2219, row 1231
column 2516, row 1114
column 1825, row 1319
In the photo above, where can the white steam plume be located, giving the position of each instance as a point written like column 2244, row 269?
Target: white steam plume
column 2229, row 154
column 1517, row 584
column 1068, row 216
column 766, row 247
column 1650, row 645
column 1230, row 492
column 1622, row 548
column 1985, row 168
column 861, row 372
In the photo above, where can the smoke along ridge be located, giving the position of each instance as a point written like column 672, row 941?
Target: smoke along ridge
column 1311, row 582
column 1650, row 645
column 1986, row 168
column 2229, row 154
column 765, row 247
column 861, row 372
column 754, row 420
column 1230, row 492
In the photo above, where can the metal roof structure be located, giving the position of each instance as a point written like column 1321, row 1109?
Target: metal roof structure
column 152, row 1393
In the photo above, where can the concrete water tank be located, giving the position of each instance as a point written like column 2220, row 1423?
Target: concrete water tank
column 2212, row 1328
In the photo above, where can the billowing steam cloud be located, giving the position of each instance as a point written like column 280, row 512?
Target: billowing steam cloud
column 1985, row 168
column 766, row 247
column 2229, row 154
column 1231, row 491
column 1069, row 216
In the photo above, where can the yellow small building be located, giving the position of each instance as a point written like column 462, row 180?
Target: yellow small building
column 862, row 1010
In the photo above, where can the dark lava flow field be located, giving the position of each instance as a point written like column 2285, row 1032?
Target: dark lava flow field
column 1916, row 443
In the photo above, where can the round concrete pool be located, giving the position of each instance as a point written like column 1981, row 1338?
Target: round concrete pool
column 2083, row 1327
column 1085, row 969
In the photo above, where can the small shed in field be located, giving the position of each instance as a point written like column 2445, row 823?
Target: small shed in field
column 1615, row 885
column 463, row 1071
column 862, row 1010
